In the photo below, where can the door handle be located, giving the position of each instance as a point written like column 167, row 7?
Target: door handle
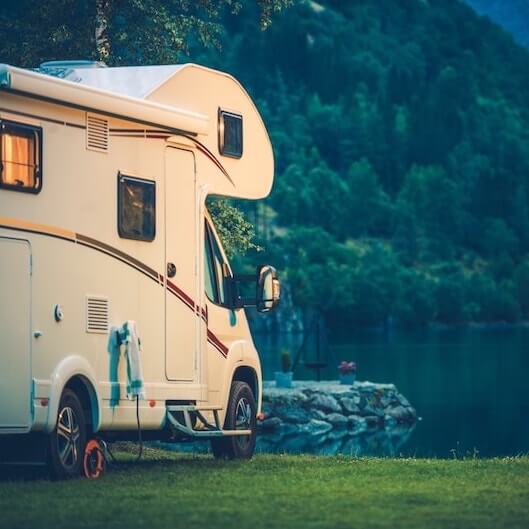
column 171, row 269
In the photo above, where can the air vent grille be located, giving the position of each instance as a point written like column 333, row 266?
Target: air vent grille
column 96, row 133
column 96, row 314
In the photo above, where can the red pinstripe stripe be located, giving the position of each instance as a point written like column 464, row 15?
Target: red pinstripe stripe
column 217, row 343
column 94, row 244
column 157, row 135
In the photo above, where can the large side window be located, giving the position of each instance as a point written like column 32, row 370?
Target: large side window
column 209, row 270
column 20, row 157
column 136, row 208
column 216, row 269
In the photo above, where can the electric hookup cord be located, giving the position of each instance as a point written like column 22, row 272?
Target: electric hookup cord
column 110, row 458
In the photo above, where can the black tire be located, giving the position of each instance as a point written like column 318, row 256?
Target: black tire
column 240, row 415
column 68, row 440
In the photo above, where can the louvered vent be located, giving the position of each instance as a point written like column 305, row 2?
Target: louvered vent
column 96, row 133
column 96, row 314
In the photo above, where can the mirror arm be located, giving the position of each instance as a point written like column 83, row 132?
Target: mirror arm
column 240, row 278
column 249, row 302
column 237, row 301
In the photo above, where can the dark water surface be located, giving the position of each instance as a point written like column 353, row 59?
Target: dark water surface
column 470, row 386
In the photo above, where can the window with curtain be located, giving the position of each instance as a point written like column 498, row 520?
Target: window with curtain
column 20, row 157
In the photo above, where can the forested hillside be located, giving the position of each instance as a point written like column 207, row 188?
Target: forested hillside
column 401, row 133
column 513, row 15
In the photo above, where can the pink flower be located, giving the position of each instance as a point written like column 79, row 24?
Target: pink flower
column 347, row 367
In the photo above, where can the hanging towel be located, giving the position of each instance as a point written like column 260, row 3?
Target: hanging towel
column 133, row 353
column 113, row 348
column 126, row 335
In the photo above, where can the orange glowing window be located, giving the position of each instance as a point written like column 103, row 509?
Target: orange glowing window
column 20, row 157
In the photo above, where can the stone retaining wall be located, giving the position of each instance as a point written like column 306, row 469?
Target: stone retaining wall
column 319, row 413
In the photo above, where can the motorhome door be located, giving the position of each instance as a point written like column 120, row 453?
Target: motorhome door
column 182, row 325
column 15, row 340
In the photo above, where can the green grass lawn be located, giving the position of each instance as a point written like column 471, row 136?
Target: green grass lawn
column 168, row 490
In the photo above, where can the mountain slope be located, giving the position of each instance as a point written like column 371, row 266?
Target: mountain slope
column 401, row 133
column 512, row 15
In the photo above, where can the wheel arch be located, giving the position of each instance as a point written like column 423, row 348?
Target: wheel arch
column 247, row 374
column 250, row 375
column 76, row 373
column 84, row 390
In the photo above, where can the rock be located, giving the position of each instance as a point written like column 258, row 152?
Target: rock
column 316, row 427
column 350, row 406
column 339, row 433
column 337, row 420
column 357, row 425
column 312, row 414
column 293, row 413
column 371, row 410
column 289, row 428
column 362, row 402
column 271, row 423
column 373, row 421
column 325, row 403
column 389, row 422
column 400, row 414
column 387, row 400
column 403, row 401
column 318, row 414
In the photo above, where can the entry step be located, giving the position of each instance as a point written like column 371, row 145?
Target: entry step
column 208, row 430
column 191, row 407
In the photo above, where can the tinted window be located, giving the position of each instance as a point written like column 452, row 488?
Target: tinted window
column 209, row 270
column 136, row 208
column 20, row 155
column 230, row 134
column 216, row 268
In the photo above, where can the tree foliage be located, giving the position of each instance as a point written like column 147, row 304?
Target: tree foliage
column 400, row 130
column 127, row 32
column 401, row 134
column 236, row 233
column 120, row 32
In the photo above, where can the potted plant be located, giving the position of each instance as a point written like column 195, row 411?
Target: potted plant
column 347, row 372
column 284, row 377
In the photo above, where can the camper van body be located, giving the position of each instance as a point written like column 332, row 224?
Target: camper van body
column 73, row 262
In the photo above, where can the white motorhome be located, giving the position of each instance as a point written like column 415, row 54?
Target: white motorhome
column 103, row 226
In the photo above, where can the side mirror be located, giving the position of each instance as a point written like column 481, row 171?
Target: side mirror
column 268, row 289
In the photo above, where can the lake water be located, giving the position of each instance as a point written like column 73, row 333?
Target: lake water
column 470, row 386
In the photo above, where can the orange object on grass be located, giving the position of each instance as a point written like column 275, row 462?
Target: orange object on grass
column 94, row 460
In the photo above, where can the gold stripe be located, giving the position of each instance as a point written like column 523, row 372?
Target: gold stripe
column 8, row 222
column 43, row 229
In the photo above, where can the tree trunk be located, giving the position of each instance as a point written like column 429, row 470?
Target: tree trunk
column 102, row 39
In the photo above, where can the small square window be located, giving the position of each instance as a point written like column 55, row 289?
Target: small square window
column 20, row 157
column 230, row 134
column 136, row 208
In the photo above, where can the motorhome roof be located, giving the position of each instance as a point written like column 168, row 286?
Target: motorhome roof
column 133, row 81
column 184, row 100
column 115, row 91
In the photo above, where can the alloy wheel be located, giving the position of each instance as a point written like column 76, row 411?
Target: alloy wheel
column 68, row 437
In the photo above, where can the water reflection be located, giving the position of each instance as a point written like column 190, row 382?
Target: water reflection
column 379, row 443
column 468, row 384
